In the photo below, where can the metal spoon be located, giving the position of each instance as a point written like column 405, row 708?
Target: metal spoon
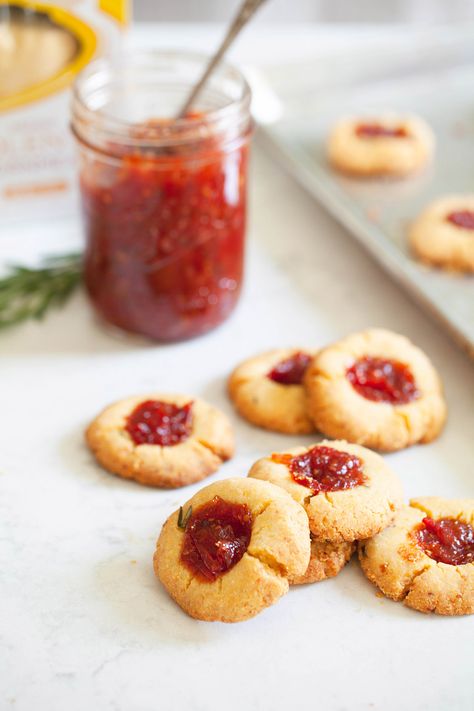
column 245, row 13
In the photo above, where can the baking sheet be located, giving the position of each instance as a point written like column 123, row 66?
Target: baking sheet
column 378, row 211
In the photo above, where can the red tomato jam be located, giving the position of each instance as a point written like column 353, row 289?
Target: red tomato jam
column 165, row 235
column 383, row 380
column 162, row 423
column 462, row 218
column 324, row 469
column 376, row 130
column 216, row 537
column 291, row 370
column 447, row 540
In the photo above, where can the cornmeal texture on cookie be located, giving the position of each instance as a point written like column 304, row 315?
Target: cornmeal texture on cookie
column 405, row 567
column 252, row 572
column 345, row 509
column 267, row 390
column 327, row 560
column 377, row 389
column 161, row 440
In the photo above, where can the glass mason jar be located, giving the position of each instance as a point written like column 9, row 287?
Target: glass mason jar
column 164, row 200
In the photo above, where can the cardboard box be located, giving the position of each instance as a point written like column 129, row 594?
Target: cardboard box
column 43, row 46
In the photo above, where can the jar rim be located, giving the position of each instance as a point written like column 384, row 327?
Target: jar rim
column 174, row 132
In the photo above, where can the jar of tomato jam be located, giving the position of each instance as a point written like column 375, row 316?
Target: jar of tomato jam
column 164, row 199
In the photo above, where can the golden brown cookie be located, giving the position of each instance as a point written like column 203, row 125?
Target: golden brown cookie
column 267, row 390
column 348, row 492
column 443, row 235
column 381, row 145
column 409, row 560
column 161, row 440
column 327, row 560
column 377, row 389
column 229, row 552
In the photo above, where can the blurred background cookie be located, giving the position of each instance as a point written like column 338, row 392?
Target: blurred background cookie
column 267, row 390
column 381, row 145
column 161, row 440
column 443, row 234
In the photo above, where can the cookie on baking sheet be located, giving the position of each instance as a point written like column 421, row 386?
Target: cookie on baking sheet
column 377, row 389
column 230, row 550
column 267, row 390
column 381, row 145
column 443, row 234
column 348, row 492
column 327, row 560
column 161, row 440
column 426, row 557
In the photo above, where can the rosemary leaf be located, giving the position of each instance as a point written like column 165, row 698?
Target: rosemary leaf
column 183, row 518
column 29, row 293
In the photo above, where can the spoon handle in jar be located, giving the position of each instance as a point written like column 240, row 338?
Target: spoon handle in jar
column 246, row 12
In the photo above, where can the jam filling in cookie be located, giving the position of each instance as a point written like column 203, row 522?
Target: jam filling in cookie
column 383, row 380
column 216, row 537
column 291, row 370
column 462, row 218
column 376, row 130
column 324, row 469
column 158, row 422
column 446, row 540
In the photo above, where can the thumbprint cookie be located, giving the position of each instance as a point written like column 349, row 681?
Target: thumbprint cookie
column 347, row 491
column 443, row 234
column 377, row 389
column 230, row 551
column 426, row 557
column 387, row 145
column 161, row 440
column 267, row 390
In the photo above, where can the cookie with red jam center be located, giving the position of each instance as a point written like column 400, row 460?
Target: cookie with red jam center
column 347, row 491
column 267, row 390
column 161, row 440
column 425, row 558
column 443, row 234
column 377, row 389
column 230, row 551
column 380, row 145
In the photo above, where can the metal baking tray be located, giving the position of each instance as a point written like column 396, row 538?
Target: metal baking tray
column 378, row 211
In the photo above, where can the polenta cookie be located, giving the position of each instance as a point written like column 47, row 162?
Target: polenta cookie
column 161, row 440
column 381, row 145
column 443, row 234
column 347, row 491
column 326, row 561
column 426, row 557
column 377, row 389
column 230, row 551
column 267, row 390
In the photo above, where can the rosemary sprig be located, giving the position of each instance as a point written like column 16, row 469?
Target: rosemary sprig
column 183, row 518
column 27, row 293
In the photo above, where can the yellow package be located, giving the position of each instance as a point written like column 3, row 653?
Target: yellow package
column 43, row 45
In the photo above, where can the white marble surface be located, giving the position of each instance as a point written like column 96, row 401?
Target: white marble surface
column 84, row 624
